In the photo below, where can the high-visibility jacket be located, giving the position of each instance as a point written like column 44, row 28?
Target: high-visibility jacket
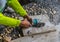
column 4, row 20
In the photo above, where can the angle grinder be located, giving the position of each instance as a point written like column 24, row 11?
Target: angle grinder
column 35, row 23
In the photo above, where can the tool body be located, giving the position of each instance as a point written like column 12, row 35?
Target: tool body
column 37, row 23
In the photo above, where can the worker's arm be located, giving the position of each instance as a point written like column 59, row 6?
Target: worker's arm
column 17, row 7
column 9, row 21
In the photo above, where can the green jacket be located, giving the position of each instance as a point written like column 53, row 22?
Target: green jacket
column 18, row 9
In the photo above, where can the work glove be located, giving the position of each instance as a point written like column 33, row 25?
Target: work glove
column 28, row 18
column 25, row 24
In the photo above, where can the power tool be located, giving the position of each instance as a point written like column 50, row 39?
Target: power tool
column 35, row 23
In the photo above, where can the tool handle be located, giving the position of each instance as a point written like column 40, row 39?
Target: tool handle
column 19, row 29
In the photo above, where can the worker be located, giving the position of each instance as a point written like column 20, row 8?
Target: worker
column 4, row 20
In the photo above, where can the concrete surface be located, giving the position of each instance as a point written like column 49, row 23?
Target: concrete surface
column 46, row 37
column 48, row 33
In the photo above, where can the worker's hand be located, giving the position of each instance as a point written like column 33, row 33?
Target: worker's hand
column 28, row 18
column 25, row 23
